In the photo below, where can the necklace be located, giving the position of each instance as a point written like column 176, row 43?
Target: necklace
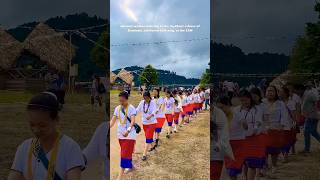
column 123, row 121
column 34, row 150
column 144, row 106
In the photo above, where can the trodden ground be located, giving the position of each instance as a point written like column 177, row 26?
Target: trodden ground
column 184, row 156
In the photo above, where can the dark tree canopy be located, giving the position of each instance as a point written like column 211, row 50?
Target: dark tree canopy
column 231, row 59
column 99, row 54
column 149, row 76
column 205, row 79
column 305, row 56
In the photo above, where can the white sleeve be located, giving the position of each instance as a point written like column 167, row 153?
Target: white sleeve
column 132, row 111
column 74, row 156
column 224, row 135
column 259, row 117
column 153, row 107
column 92, row 151
column 116, row 111
column 284, row 114
column 19, row 159
column 139, row 108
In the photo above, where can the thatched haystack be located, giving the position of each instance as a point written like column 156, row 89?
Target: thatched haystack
column 47, row 45
column 50, row 46
column 10, row 50
column 125, row 76
column 113, row 77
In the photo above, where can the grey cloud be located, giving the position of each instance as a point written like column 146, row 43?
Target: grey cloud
column 189, row 58
column 16, row 12
column 283, row 20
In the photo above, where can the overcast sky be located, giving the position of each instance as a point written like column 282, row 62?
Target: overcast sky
column 16, row 12
column 253, row 25
column 186, row 58
column 262, row 25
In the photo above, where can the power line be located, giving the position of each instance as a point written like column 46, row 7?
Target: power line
column 69, row 30
column 159, row 42
column 92, row 41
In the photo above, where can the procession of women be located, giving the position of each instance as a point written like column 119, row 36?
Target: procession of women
column 176, row 108
column 254, row 131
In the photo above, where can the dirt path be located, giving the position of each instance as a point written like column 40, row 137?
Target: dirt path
column 184, row 156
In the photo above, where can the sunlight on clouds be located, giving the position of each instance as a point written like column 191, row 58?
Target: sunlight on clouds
column 125, row 6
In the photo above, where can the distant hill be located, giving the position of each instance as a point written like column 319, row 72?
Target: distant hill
column 231, row 59
column 165, row 77
column 86, row 67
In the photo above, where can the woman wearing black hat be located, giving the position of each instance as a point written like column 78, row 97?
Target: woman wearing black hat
column 50, row 154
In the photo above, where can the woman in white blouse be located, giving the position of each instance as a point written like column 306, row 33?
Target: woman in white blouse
column 126, row 133
column 275, row 115
column 147, row 108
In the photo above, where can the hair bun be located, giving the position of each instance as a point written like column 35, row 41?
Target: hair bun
column 44, row 101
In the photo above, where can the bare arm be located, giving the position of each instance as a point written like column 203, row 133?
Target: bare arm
column 133, row 120
column 113, row 120
column 15, row 175
column 74, row 174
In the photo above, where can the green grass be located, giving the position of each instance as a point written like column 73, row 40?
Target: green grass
column 24, row 97
column 14, row 96
column 114, row 92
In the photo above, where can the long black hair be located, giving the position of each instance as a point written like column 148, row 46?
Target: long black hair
column 158, row 93
column 286, row 91
column 225, row 100
column 257, row 92
column 169, row 92
column 147, row 94
column 247, row 94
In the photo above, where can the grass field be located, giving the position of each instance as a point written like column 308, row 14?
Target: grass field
column 77, row 121
column 185, row 156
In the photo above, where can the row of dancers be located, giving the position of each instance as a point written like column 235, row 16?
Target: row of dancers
column 50, row 154
column 244, row 137
column 177, row 108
